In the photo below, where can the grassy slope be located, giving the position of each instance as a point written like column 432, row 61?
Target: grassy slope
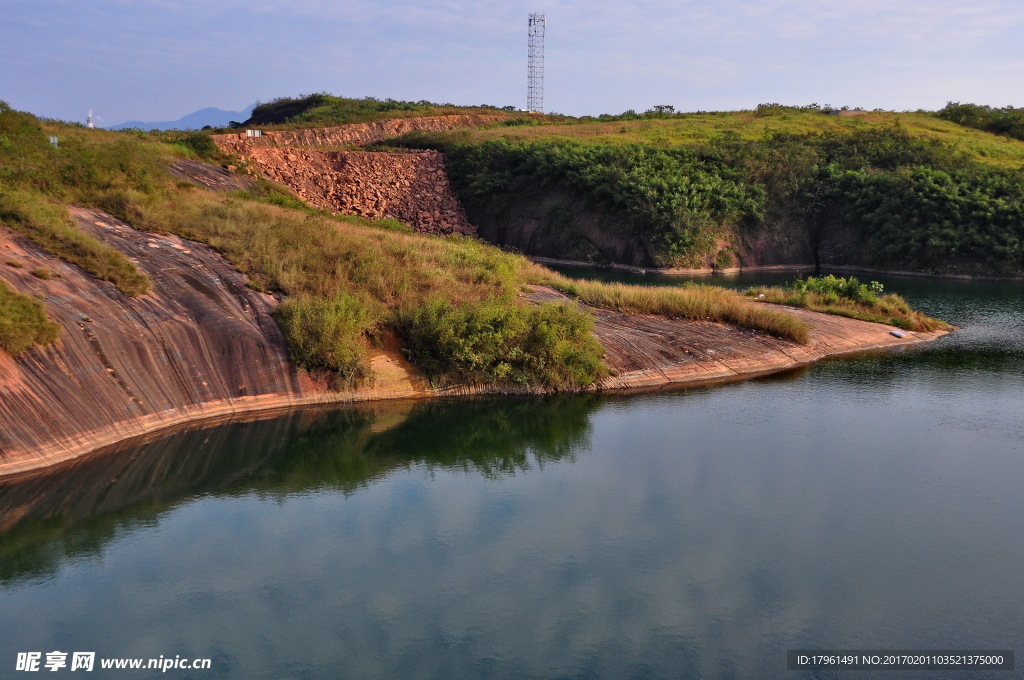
column 348, row 281
column 920, row 193
column 698, row 128
column 37, row 181
column 323, row 110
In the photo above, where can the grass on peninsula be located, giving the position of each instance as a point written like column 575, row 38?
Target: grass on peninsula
column 701, row 128
column 695, row 302
column 23, row 322
column 495, row 342
column 850, row 298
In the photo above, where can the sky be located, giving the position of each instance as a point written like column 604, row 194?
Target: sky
column 155, row 60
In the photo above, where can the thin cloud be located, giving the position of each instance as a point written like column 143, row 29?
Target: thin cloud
column 603, row 57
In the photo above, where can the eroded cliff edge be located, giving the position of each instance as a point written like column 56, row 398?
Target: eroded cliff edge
column 203, row 345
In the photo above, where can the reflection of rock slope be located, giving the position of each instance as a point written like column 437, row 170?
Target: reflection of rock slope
column 80, row 506
column 200, row 345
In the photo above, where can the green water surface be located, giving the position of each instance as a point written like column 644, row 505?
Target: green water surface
column 873, row 502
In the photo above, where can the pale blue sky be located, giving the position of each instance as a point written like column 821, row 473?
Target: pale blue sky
column 160, row 59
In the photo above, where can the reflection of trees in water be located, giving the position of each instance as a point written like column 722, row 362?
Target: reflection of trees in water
column 78, row 509
column 488, row 436
column 497, row 436
column 943, row 364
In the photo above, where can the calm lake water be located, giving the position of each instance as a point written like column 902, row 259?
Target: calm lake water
column 874, row 502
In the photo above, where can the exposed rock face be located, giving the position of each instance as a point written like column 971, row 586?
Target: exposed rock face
column 554, row 224
column 355, row 133
column 200, row 345
column 410, row 187
column 210, row 176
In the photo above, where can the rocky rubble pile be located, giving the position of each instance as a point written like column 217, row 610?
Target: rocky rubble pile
column 410, row 187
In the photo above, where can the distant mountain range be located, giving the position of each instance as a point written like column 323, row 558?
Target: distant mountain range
column 193, row 121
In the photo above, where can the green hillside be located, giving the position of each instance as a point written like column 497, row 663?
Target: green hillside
column 325, row 110
column 348, row 283
column 690, row 129
column 774, row 186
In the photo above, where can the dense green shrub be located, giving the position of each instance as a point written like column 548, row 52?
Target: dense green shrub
column 915, row 202
column 676, row 200
column 832, row 287
column 926, row 219
column 495, row 342
column 201, row 145
column 327, row 334
column 1007, row 121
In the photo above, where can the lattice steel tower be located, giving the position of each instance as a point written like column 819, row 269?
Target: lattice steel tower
column 535, row 68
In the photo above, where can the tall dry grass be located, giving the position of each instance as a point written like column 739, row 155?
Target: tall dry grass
column 888, row 309
column 23, row 322
column 700, row 303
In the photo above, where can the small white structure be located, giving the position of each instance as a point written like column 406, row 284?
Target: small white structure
column 254, row 133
